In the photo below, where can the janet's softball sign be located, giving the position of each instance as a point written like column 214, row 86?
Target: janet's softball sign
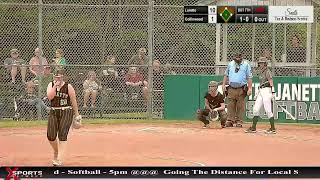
column 299, row 96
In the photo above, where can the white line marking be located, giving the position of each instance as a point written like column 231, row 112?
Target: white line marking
column 145, row 129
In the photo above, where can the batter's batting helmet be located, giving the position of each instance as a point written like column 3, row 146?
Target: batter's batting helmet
column 262, row 60
column 214, row 115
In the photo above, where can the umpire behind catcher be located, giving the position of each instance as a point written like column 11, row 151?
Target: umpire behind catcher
column 63, row 104
column 214, row 102
column 239, row 76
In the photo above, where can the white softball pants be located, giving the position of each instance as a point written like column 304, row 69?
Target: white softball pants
column 264, row 98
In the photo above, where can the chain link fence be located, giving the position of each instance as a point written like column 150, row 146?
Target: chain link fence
column 123, row 49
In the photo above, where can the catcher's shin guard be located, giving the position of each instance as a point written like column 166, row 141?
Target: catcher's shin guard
column 201, row 116
column 223, row 117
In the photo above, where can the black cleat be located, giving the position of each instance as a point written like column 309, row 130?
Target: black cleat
column 270, row 131
column 206, row 126
column 239, row 125
column 250, row 130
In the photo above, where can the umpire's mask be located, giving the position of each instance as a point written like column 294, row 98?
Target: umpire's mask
column 213, row 86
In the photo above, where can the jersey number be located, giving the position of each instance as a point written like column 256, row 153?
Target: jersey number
column 63, row 102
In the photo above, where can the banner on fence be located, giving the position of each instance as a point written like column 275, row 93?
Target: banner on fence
column 298, row 95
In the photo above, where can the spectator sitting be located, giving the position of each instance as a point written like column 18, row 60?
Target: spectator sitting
column 133, row 82
column 59, row 61
column 157, row 80
column 168, row 69
column 111, row 60
column 140, row 59
column 36, row 63
column 44, row 80
column 91, row 87
column 12, row 63
column 30, row 101
column 158, row 77
column 297, row 53
column 110, row 75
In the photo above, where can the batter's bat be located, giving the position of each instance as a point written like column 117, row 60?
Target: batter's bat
column 284, row 110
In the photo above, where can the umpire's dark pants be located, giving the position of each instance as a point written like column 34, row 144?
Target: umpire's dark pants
column 59, row 124
column 236, row 105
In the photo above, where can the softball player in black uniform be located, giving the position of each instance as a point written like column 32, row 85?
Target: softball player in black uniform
column 63, row 107
column 214, row 101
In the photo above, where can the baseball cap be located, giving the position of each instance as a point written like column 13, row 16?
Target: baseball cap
column 238, row 54
column 14, row 51
column 144, row 50
column 59, row 73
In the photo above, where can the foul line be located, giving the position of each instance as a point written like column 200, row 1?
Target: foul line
column 145, row 129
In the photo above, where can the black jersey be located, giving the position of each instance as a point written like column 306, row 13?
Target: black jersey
column 214, row 102
column 61, row 99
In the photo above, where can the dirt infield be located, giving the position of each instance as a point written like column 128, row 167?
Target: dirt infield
column 165, row 145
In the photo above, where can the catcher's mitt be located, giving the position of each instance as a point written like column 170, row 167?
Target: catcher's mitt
column 76, row 124
column 214, row 115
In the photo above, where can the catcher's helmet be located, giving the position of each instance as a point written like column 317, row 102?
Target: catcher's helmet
column 213, row 86
column 214, row 115
column 213, row 83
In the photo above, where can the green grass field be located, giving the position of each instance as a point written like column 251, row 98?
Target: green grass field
column 9, row 123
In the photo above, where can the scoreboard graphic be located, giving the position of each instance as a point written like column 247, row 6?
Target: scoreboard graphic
column 248, row 14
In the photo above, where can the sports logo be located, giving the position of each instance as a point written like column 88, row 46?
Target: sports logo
column 11, row 173
column 17, row 174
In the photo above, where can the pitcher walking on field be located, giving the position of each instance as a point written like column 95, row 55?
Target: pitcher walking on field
column 63, row 107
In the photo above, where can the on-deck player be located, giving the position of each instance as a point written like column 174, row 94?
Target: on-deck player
column 63, row 107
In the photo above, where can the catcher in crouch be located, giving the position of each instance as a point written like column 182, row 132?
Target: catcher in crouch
column 214, row 106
